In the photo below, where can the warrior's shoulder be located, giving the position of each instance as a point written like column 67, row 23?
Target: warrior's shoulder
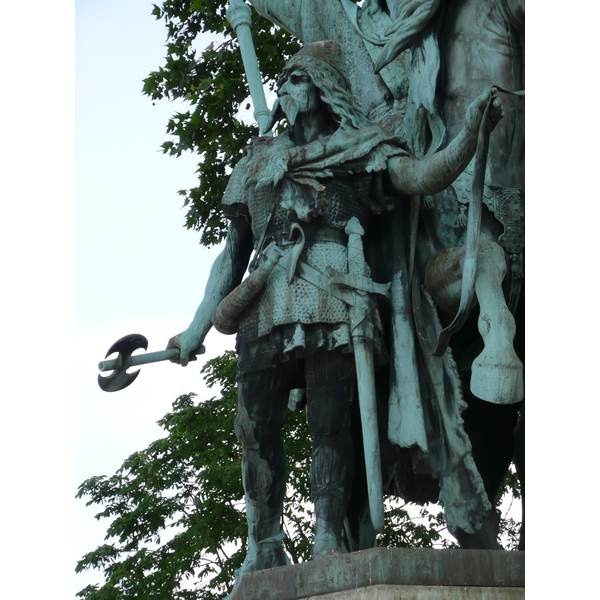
column 252, row 157
column 235, row 192
column 263, row 144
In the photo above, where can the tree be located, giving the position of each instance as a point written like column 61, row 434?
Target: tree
column 177, row 528
column 214, row 85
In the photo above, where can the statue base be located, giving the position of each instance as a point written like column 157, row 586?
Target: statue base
column 394, row 573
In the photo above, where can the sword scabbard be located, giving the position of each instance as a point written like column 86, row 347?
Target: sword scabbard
column 362, row 338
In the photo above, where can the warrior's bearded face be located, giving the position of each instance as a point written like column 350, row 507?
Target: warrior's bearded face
column 297, row 94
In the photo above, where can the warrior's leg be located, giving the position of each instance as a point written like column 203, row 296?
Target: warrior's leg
column 262, row 403
column 330, row 380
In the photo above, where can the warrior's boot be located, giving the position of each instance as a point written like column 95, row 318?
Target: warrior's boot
column 264, row 538
column 330, row 388
column 330, row 510
column 331, row 479
column 263, row 476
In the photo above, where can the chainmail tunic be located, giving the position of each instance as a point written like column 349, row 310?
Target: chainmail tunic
column 297, row 317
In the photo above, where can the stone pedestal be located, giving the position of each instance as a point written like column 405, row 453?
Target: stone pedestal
column 394, row 574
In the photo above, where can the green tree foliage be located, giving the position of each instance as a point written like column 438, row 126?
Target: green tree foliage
column 509, row 492
column 212, row 81
column 174, row 508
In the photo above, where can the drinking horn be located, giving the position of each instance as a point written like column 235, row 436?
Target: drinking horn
column 226, row 317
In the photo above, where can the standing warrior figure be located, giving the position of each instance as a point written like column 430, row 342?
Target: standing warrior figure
column 414, row 66
column 291, row 198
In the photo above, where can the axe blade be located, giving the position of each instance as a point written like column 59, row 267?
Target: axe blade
column 120, row 379
column 128, row 344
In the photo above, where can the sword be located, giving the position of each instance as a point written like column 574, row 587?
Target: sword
column 362, row 332
column 355, row 289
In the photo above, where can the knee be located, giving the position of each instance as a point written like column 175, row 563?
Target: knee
column 261, row 411
column 244, row 429
column 328, row 410
column 255, row 434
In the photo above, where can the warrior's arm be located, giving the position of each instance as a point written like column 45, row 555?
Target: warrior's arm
column 434, row 173
column 226, row 273
column 284, row 13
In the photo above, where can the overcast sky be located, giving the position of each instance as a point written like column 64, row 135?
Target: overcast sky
column 104, row 232
column 138, row 270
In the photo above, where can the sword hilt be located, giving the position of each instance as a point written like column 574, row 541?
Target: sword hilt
column 356, row 252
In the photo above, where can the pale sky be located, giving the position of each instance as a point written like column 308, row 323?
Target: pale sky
column 138, row 270
column 116, row 249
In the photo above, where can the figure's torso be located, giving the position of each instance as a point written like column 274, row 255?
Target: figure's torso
column 300, row 302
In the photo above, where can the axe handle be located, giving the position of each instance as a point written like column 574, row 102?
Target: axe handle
column 143, row 359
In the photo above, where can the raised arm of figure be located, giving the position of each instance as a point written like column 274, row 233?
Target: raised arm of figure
column 285, row 13
column 436, row 172
column 226, row 273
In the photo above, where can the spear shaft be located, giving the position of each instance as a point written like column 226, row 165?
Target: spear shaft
column 239, row 15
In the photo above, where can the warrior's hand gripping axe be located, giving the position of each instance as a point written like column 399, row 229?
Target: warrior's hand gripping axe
column 120, row 378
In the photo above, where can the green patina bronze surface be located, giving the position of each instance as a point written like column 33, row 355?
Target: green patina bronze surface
column 384, row 105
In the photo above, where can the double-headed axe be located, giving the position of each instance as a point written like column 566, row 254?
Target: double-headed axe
column 120, row 379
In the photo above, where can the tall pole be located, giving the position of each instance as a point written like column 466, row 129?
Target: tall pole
column 239, row 15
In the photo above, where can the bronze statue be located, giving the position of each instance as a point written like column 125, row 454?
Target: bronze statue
column 302, row 201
